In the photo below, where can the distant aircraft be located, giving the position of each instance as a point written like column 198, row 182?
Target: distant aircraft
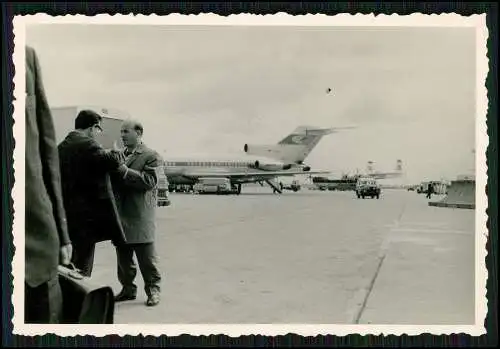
column 398, row 172
column 290, row 152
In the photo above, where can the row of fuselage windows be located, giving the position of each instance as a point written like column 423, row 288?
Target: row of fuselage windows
column 206, row 163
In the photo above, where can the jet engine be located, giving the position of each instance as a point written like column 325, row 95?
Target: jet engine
column 254, row 149
column 306, row 168
column 269, row 151
column 270, row 167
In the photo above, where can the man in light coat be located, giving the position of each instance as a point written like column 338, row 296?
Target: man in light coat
column 47, row 243
column 135, row 186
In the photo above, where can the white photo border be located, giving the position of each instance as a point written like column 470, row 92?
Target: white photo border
column 477, row 21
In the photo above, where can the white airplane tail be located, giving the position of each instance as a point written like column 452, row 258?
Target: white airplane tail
column 398, row 171
column 399, row 165
column 294, row 148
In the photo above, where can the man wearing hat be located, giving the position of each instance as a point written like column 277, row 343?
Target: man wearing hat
column 88, row 196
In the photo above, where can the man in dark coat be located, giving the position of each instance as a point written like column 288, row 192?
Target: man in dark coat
column 136, row 189
column 47, row 243
column 430, row 190
column 88, row 195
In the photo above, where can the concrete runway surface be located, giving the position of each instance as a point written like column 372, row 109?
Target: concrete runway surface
column 306, row 257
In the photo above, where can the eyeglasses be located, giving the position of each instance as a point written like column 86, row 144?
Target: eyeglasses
column 98, row 128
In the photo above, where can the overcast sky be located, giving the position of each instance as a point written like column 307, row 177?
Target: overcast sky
column 208, row 90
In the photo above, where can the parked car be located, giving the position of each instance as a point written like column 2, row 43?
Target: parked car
column 367, row 187
column 162, row 188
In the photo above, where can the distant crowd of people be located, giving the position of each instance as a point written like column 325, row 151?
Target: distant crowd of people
column 79, row 194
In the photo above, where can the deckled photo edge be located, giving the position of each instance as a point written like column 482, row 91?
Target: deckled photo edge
column 19, row 31
column 446, row 20
column 482, row 142
column 281, row 18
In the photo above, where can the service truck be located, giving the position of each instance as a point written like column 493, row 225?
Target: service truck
column 64, row 122
column 215, row 185
column 367, row 187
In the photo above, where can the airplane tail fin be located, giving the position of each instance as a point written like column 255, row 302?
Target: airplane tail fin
column 369, row 167
column 295, row 147
column 399, row 165
column 298, row 145
column 398, row 171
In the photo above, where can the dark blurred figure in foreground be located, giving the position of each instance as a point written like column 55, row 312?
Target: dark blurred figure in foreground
column 47, row 243
column 88, row 196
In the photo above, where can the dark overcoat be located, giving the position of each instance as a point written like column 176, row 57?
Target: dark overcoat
column 45, row 218
column 88, row 196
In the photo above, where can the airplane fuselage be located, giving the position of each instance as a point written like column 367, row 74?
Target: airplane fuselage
column 180, row 172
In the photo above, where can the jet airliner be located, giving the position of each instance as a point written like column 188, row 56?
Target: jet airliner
column 290, row 153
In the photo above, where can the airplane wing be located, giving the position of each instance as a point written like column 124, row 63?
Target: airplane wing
column 249, row 175
column 385, row 175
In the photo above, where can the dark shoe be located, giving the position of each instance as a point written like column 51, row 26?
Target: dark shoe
column 153, row 300
column 124, row 296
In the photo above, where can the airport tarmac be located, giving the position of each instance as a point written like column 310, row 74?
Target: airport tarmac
column 306, row 257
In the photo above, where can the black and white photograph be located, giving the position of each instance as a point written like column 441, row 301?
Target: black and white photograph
column 273, row 173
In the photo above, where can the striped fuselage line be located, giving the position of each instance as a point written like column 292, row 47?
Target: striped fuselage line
column 177, row 172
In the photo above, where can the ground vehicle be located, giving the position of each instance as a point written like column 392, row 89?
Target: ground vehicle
column 367, row 187
column 295, row 185
column 162, row 187
column 213, row 185
column 180, row 188
column 422, row 187
column 343, row 184
column 438, row 187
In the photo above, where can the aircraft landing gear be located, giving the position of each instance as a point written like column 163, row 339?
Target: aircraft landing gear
column 237, row 188
column 276, row 187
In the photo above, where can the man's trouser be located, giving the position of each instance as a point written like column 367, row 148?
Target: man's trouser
column 43, row 304
column 148, row 264
column 83, row 256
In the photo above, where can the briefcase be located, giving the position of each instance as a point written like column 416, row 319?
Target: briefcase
column 84, row 301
